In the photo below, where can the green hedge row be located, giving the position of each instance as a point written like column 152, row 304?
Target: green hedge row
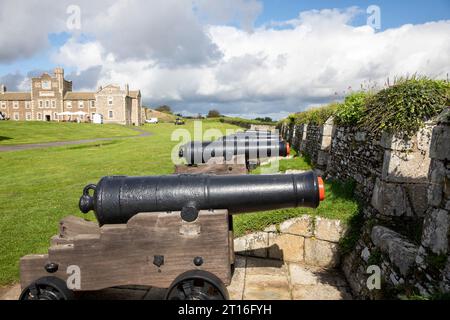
column 403, row 107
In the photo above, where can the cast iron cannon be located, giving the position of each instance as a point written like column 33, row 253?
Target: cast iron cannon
column 172, row 232
column 197, row 152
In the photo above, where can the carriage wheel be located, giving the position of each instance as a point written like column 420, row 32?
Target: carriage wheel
column 47, row 288
column 197, row 285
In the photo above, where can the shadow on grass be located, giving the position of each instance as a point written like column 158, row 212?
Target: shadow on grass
column 5, row 138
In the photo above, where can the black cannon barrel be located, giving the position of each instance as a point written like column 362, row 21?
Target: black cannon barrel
column 118, row 198
column 197, row 152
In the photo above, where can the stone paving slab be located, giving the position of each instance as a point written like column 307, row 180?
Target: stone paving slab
column 253, row 279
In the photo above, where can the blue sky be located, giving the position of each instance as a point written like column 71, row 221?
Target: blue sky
column 394, row 13
column 209, row 55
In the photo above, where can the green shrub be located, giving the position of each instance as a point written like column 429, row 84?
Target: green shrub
column 405, row 106
column 316, row 115
column 352, row 109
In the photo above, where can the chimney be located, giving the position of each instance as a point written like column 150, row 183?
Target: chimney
column 127, row 89
column 100, row 88
column 2, row 89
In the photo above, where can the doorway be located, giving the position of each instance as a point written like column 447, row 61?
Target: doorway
column 47, row 118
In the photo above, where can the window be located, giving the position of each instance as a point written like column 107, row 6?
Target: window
column 41, row 104
column 110, row 101
column 27, row 105
column 16, row 116
column 92, row 104
column 110, row 114
column 39, row 116
column 69, row 104
column 3, row 105
column 47, row 104
column 80, row 104
column 15, row 105
column 82, row 116
column 55, row 116
column 47, row 85
column 53, row 104
column 28, row 116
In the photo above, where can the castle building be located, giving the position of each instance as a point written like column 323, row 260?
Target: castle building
column 51, row 99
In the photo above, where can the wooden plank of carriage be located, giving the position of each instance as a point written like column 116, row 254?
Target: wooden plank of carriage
column 124, row 254
column 218, row 166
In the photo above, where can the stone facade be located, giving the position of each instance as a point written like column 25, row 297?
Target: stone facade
column 50, row 96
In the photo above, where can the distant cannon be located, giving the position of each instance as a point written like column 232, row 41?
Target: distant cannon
column 197, row 152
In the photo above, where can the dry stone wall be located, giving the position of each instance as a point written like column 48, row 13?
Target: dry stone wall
column 403, row 184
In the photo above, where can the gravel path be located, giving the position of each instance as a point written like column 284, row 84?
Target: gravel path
column 64, row 143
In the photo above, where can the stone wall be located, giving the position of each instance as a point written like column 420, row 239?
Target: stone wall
column 307, row 239
column 356, row 155
column 403, row 183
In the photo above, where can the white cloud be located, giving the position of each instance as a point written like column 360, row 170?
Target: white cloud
column 167, row 52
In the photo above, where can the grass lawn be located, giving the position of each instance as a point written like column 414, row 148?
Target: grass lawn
column 23, row 132
column 39, row 187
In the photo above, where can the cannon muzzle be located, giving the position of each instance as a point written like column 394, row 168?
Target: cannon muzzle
column 116, row 199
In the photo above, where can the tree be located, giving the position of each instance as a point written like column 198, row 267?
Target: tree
column 266, row 119
column 213, row 114
column 164, row 108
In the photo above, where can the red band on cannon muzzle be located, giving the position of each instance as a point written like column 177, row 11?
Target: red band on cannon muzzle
column 321, row 189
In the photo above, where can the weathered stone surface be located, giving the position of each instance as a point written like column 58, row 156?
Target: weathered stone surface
column 301, row 226
column 424, row 138
column 236, row 288
column 266, row 279
column 329, row 230
column 320, row 292
column 254, row 244
column 401, row 252
column 417, row 198
column 321, row 253
column 390, row 199
column 286, row 247
column 405, row 167
column 440, row 142
column 360, row 136
column 396, row 142
column 294, row 171
column 365, row 254
column 435, row 231
column 322, row 158
column 10, row 293
column 302, row 275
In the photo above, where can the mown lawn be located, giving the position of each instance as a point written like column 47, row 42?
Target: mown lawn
column 39, row 187
column 23, row 132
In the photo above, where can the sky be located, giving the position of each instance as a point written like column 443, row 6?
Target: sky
column 247, row 58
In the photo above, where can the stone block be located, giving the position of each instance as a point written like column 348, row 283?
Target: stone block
column 286, row 247
column 254, row 244
column 424, row 138
column 326, row 143
column 397, row 142
column 301, row 226
column 401, row 252
column 435, row 231
column 322, row 157
column 390, row 199
column 440, row 142
column 360, row 136
column 417, row 198
column 329, row 230
column 405, row 167
column 321, row 253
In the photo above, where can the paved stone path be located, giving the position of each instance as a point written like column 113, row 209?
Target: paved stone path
column 63, row 143
column 254, row 279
